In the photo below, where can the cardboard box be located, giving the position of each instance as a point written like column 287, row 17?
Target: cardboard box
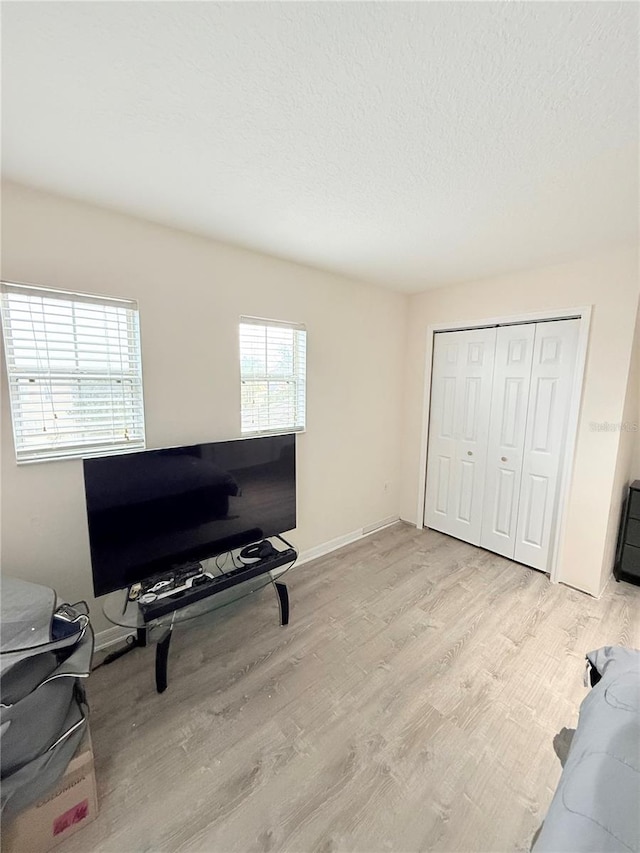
column 68, row 808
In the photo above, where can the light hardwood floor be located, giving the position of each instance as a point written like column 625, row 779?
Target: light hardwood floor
column 410, row 705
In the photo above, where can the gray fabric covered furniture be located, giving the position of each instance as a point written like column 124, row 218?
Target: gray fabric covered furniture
column 596, row 806
column 44, row 652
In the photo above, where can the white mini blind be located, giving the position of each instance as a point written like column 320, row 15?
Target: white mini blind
column 273, row 372
column 74, row 371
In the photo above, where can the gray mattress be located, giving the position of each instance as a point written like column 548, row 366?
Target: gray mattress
column 596, row 806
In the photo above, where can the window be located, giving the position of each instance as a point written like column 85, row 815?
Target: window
column 74, row 371
column 273, row 375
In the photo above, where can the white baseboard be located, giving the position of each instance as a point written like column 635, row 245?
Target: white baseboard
column 114, row 635
column 380, row 525
column 111, row 636
column 347, row 539
column 610, row 577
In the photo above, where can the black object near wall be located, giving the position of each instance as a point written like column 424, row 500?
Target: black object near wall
column 627, row 566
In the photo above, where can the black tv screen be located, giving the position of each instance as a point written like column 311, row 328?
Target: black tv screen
column 159, row 509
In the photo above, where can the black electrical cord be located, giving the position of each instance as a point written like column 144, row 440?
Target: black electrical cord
column 131, row 642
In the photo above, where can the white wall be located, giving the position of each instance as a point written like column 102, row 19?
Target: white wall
column 609, row 283
column 191, row 292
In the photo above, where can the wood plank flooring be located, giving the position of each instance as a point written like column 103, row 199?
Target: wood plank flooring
column 410, row 705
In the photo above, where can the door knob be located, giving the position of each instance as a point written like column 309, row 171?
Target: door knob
column 469, row 453
column 503, row 458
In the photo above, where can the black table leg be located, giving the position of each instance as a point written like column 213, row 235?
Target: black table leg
column 162, row 656
column 283, row 600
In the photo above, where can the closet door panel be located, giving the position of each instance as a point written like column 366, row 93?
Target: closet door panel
column 441, row 462
column 509, row 400
column 550, row 395
column 458, row 431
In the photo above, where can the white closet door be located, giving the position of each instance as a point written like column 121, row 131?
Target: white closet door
column 458, row 431
column 554, row 358
column 510, row 397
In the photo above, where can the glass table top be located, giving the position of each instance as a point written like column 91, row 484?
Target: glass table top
column 120, row 611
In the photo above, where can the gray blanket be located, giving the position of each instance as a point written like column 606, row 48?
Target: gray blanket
column 596, row 806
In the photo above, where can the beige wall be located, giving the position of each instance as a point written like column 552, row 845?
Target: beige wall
column 610, row 284
column 634, row 473
column 365, row 345
column 191, row 292
column 626, row 455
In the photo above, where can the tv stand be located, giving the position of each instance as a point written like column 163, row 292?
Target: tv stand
column 154, row 622
column 174, row 600
column 162, row 646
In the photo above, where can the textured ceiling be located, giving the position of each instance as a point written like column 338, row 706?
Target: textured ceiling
column 409, row 144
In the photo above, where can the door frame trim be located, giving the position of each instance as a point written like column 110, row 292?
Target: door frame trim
column 583, row 314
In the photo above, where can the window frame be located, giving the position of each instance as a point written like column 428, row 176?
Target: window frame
column 100, row 378
column 298, row 375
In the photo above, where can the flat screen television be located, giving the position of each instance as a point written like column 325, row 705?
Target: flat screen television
column 159, row 509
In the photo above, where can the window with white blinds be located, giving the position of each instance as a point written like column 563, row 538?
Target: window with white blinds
column 74, row 371
column 273, row 368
